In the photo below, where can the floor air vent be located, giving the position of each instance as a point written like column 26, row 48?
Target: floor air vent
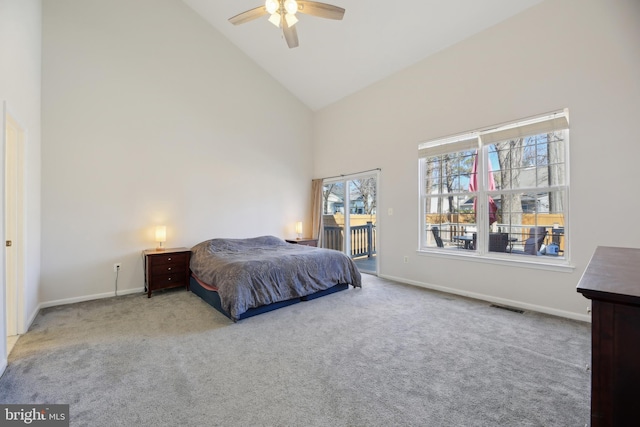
column 515, row 310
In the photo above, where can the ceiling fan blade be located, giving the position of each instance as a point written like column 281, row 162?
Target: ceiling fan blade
column 322, row 10
column 248, row 15
column 290, row 34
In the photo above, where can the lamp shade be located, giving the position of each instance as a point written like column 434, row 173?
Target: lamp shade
column 275, row 19
column 291, row 19
column 161, row 233
column 161, row 236
column 299, row 228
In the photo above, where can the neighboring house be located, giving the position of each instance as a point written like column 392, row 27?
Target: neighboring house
column 355, row 206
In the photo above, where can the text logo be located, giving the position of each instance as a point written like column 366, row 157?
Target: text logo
column 34, row 415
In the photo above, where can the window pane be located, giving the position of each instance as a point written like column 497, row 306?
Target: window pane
column 449, row 173
column 448, row 223
column 518, row 213
column 434, row 186
column 531, row 162
column 333, row 210
column 557, row 174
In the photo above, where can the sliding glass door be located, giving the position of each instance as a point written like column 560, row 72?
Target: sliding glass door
column 349, row 218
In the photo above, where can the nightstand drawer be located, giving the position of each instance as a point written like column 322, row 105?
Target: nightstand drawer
column 168, row 280
column 175, row 259
column 159, row 269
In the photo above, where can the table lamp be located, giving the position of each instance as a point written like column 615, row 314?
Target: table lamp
column 161, row 236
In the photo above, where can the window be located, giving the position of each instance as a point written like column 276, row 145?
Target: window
column 500, row 192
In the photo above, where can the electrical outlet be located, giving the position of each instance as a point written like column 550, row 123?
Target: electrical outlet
column 406, row 259
column 116, row 267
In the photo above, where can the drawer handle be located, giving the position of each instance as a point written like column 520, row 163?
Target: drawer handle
column 169, row 268
column 169, row 259
column 169, row 279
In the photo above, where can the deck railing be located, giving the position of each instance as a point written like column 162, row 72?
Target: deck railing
column 363, row 239
column 519, row 233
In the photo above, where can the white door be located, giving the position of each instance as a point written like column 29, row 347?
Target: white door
column 349, row 218
column 14, row 148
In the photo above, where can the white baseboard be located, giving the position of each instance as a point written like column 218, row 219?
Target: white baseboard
column 89, row 298
column 501, row 301
column 31, row 318
column 130, row 291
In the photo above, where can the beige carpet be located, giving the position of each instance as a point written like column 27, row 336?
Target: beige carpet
column 383, row 355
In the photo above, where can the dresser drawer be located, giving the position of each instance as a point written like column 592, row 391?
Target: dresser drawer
column 163, row 259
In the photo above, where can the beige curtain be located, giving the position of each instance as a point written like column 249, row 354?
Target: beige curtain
column 316, row 209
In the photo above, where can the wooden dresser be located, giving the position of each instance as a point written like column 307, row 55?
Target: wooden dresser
column 168, row 268
column 612, row 283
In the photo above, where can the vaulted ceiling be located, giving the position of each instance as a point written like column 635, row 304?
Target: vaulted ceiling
column 375, row 39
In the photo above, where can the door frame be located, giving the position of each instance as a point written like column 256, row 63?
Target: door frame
column 13, row 299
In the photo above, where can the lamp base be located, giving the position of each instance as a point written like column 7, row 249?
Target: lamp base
column 160, row 248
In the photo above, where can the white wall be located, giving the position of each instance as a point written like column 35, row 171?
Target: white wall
column 152, row 117
column 20, row 51
column 580, row 54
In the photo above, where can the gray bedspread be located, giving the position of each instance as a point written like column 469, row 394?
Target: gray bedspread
column 262, row 270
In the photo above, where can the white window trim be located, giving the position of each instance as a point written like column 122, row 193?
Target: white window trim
column 481, row 139
column 490, row 258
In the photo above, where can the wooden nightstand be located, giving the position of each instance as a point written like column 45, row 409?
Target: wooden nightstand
column 166, row 269
column 303, row 241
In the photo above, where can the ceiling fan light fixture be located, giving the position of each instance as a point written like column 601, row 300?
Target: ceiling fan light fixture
column 282, row 14
column 271, row 6
column 291, row 19
column 291, row 6
column 275, row 19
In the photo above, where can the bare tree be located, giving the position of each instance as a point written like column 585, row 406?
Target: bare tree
column 428, row 184
column 448, row 173
column 510, row 158
column 456, row 165
column 327, row 190
column 366, row 189
column 555, row 157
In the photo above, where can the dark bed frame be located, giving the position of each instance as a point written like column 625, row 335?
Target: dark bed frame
column 212, row 298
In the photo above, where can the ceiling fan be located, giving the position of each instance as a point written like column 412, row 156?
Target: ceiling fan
column 283, row 14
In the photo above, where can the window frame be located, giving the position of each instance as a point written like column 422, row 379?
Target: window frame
column 481, row 140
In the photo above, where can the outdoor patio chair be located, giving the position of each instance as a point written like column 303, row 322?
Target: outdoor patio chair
column 534, row 242
column 436, row 234
column 498, row 242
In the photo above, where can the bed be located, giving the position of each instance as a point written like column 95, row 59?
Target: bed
column 245, row 277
